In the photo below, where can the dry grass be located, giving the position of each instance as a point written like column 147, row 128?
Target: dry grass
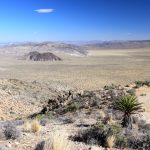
column 35, row 126
column 110, row 141
column 57, row 142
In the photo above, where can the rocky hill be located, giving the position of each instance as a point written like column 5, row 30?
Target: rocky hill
column 20, row 49
column 47, row 56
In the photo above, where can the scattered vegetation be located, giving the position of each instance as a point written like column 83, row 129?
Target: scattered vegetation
column 11, row 132
column 109, row 131
column 56, row 142
column 131, row 92
column 112, row 136
column 35, row 126
column 40, row 146
column 99, row 134
column 73, row 102
column 142, row 83
column 128, row 105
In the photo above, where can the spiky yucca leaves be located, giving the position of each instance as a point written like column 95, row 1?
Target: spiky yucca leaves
column 128, row 105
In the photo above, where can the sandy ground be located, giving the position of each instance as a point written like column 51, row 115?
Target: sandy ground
column 11, row 108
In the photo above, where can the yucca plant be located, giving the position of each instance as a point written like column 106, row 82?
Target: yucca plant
column 128, row 105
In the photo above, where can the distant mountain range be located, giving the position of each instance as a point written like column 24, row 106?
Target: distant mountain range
column 117, row 44
column 76, row 48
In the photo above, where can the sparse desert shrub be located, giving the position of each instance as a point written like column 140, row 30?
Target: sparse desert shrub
column 66, row 120
column 97, row 134
column 35, row 126
column 103, row 135
column 43, row 122
column 131, row 92
column 143, row 143
column 40, row 146
column 111, row 87
column 39, row 116
column 56, row 142
column 142, row 83
column 138, row 84
column 128, row 105
column 121, row 142
column 110, row 141
column 11, row 132
column 71, row 108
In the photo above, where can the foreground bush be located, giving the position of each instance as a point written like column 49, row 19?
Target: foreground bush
column 142, row 143
column 56, row 142
column 11, row 132
column 113, row 136
column 100, row 134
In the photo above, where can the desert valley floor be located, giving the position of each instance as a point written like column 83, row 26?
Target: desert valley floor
column 98, row 68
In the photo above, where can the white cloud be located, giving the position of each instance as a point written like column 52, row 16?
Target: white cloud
column 44, row 10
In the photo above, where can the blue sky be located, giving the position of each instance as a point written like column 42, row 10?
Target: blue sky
column 72, row 20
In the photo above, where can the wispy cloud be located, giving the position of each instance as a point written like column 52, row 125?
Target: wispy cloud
column 44, row 10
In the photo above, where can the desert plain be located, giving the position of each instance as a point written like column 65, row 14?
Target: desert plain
column 97, row 69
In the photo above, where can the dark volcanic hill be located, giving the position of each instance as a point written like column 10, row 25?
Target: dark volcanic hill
column 47, row 56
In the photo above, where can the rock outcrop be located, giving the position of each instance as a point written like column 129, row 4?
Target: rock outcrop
column 47, row 56
column 71, row 102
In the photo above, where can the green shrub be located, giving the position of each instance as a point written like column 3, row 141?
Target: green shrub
column 97, row 134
